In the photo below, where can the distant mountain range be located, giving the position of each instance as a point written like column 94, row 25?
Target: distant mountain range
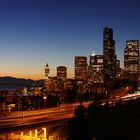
column 21, row 82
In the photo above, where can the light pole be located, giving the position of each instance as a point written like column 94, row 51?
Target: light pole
column 22, row 107
column 106, row 94
column 44, row 100
column 45, row 135
column 22, row 116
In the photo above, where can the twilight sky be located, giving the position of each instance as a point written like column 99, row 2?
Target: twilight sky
column 34, row 32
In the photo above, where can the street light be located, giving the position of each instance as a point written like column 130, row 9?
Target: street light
column 44, row 129
column 44, row 97
column 22, row 108
column 45, row 100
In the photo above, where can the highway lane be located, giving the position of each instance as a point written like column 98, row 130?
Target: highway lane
column 44, row 117
column 21, row 118
column 64, row 111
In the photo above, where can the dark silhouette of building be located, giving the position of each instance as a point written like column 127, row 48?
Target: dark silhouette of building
column 131, row 60
column 118, row 69
column 109, row 56
column 47, row 71
column 62, row 73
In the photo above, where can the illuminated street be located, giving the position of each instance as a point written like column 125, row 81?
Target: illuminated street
column 37, row 116
column 25, row 119
column 51, row 117
column 46, row 130
column 20, row 118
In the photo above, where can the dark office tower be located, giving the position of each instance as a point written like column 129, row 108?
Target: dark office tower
column 109, row 56
column 131, row 60
column 62, row 73
column 81, row 68
column 118, row 69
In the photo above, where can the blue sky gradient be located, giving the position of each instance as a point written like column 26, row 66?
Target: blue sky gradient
column 33, row 32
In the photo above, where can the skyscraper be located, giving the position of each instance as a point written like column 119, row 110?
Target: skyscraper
column 81, row 68
column 118, row 69
column 62, row 73
column 96, row 69
column 109, row 56
column 131, row 60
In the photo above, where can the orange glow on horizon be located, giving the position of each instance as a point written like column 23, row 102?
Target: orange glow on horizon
column 35, row 76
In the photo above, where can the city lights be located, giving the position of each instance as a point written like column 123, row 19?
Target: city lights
column 69, row 70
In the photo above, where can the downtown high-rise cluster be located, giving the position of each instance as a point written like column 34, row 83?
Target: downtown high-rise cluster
column 102, row 70
column 105, row 69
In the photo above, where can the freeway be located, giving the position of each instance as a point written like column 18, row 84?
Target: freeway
column 21, row 118
column 64, row 111
column 52, row 119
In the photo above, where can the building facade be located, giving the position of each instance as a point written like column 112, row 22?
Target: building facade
column 118, row 69
column 96, row 69
column 109, row 56
column 47, row 71
column 47, row 80
column 81, row 68
column 62, row 73
column 131, row 60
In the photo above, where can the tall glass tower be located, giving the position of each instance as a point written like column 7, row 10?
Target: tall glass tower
column 131, row 60
column 109, row 56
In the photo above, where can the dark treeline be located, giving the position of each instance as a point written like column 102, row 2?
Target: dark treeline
column 119, row 122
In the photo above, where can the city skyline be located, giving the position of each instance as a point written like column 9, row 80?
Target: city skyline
column 33, row 33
